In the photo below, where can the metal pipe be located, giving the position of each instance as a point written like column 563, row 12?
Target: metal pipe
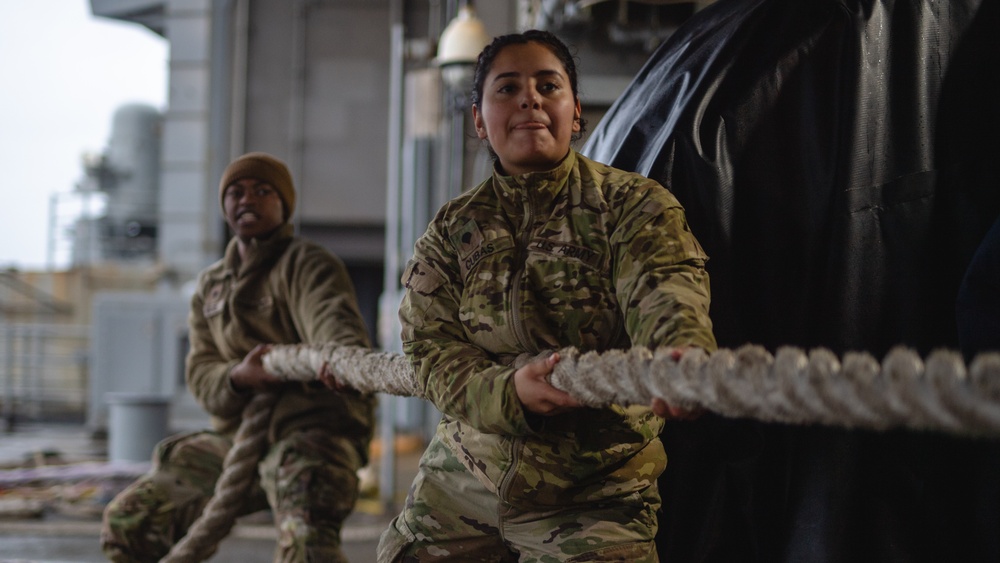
column 296, row 100
column 220, row 63
column 32, row 372
column 9, row 412
column 387, row 422
column 238, row 97
column 50, row 247
column 227, row 107
column 456, row 150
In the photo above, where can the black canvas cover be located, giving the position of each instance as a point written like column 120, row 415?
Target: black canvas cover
column 838, row 160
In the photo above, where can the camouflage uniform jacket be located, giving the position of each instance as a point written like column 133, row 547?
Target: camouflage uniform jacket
column 288, row 291
column 582, row 255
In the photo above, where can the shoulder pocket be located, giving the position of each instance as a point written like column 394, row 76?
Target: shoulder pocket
column 653, row 207
column 419, row 277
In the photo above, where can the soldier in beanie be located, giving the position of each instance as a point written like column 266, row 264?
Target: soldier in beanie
column 270, row 287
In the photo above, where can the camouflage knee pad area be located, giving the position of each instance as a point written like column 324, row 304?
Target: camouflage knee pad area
column 310, row 480
column 143, row 521
column 311, row 483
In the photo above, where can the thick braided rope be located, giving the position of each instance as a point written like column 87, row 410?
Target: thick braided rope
column 792, row 386
column 359, row 368
column 231, row 489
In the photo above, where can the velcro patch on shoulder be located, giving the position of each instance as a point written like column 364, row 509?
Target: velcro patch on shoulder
column 215, row 299
column 467, row 240
column 421, row 278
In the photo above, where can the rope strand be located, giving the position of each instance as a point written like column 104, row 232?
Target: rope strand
column 239, row 468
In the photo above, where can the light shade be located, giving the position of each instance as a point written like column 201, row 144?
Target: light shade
column 462, row 40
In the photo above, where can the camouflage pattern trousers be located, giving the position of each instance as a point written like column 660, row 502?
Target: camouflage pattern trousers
column 308, row 479
column 450, row 516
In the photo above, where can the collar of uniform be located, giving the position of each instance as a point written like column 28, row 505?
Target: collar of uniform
column 540, row 188
column 259, row 251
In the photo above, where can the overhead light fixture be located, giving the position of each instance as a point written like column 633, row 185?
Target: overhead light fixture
column 461, row 42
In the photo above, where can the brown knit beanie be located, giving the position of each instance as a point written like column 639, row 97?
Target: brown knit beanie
column 266, row 168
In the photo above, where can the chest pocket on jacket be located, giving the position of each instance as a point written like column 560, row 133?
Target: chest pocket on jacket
column 572, row 288
column 260, row 305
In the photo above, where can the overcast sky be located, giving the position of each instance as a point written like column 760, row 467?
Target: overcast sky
column 63, row 73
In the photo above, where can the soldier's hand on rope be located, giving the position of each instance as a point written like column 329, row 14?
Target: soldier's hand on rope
column 250, row 375
column 328, row 378
column 662, row 409
column 531, row 382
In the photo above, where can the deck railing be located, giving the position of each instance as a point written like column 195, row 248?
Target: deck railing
column 43, row 372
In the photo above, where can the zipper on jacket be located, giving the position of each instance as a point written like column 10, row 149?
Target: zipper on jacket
column 503, row 491
column 517, row 444
column 515, row 298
